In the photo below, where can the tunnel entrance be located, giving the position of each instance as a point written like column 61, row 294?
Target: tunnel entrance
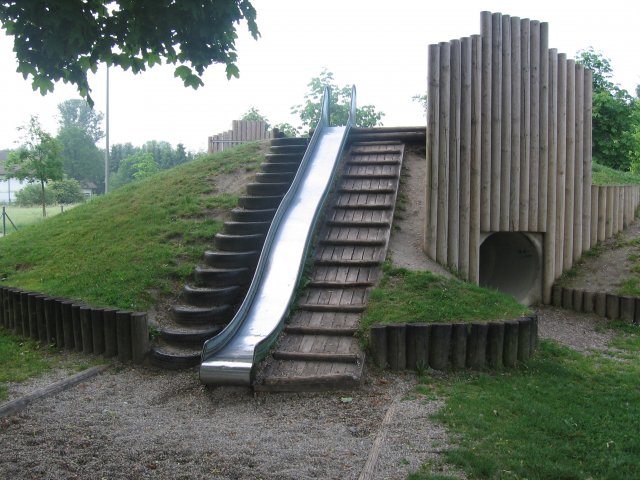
column 511, row 262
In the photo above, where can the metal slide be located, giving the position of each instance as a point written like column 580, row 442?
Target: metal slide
column 229, row 357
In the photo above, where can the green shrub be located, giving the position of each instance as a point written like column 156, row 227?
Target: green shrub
column 31, row 195
column 67, row 191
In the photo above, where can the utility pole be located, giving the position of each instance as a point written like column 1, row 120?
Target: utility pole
column 106, row 152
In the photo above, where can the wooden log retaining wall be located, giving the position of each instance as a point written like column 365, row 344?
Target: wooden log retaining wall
column 509, row 149
column 614, row 307
column 454, row 346
column 74, row 326
column 242, row 131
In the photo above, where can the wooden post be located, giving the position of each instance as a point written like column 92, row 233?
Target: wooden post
column 42, row 321
column 610, row 211
column 59, row 323
column 433, row 152
column 627, row 309
column 110, row 335
column 458, row 345
column 505, row 133
column 613, row 307
column 453, row 230
column 525, row 138
column 571, row 164
column 418, row 346
column 50, row 318
column 594, row 215
column 77, row 327
column 534, row 148
column 600, row 303
column 23, row 311
column 97, row 330
column 510, row 349
column 476, row 152
column 588, row 299
column 443, row 155
column 543, row 184
column 140, row 337
column 524, row 339
column 567, row 298
column 377, row 344
column 578, row 298
column 496, row 118
column 67, row 325
column 465, row 157
column 477, row 345
column 397, row 346
column 578, row 198
column 495, row 345
column 440, row 346
column 123, row 331
column 603, row 196
column 550, row 246
column 561, row 163
column 516, row 120
column 587, row 236
column 33, row 319
column 485, row 124
column 86, row 329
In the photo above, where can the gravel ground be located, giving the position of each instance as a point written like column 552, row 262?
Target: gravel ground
column 144, row 423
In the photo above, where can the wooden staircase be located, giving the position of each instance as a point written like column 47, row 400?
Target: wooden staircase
column 318, row 349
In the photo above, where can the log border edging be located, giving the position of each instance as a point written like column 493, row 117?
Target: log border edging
column 609, row 305
column 75, row 326
column 455, row 345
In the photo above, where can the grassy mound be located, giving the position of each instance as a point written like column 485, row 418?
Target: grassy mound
column 602, row 175
column 133, row 245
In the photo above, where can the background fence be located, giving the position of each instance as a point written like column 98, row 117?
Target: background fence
column 242, row 131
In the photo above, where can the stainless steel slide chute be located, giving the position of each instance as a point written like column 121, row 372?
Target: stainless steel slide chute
column 230, row 357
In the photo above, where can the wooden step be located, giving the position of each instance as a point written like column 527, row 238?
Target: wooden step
column 306, row 330
column 316, row 357
column 314, row 307
column 354, row 242
column 310, row 383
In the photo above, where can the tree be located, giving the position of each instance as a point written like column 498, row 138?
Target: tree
column 77, row 113
column 38, row 159
column 339, row 104
column 254, row 115
column 65, row 39
column 616, row 116
column 66, row 191
column 82, row 160
column 135, row 167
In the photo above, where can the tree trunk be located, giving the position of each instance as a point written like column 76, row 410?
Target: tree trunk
column 44, row 210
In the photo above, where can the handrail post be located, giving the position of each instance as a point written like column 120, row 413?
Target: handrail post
column 4, row 221
column 353, row 112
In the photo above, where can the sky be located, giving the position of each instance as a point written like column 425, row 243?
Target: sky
column 379, row 46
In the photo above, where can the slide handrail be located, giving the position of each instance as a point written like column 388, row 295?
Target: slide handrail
column 230, row 357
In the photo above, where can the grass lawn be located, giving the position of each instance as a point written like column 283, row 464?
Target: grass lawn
column 566, row 415
column 134, row 245
column 22, row 359
column 404, row 296
column 602, row 175
column 23, row 216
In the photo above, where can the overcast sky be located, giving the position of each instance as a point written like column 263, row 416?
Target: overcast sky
column 380, row 46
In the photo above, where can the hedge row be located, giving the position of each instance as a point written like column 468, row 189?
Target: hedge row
column 74, row 326
column 445, row 346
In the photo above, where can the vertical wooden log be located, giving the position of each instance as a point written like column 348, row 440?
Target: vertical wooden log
column 418, row 346
column 495, row 345
column 485, row 124
column 505, row 133
column 594, row 215
column 578, row 299
column 476, row 152
column 578, row 198
column 524, row 339
column 613, row 307
column 397, row 346
column 77, row 327
column 627, row 309
column 59, row 323
column 610, row 211
column 443, row 154
column 433, row 149
column 123, row 331
column 534, row 148
column 33, row 319
column 440, row 346
column 587, row 230
column 17, row 312
column 496, row 118
column 140, row 338
column 458, row 345
column 510, row 348
column 24, row 309
column 525, row 108
column 453, row 236
column 50, row 318
column 571, row 164
column 543, row 184
column 516, row 120
column 602, row 212
column 567, row 298
column 588, row 299
column 42, row 321
column 67, row 325
column 561, row 163
column 111, row 338
column 465, row 157
column 556, row 296
column 377, row 344
column 550, row 246
column 636, row 315
column 86, row 329
column 620, row 208
column 2, row 316
column 477, row 345
column 97, row 330
column 534, row 333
